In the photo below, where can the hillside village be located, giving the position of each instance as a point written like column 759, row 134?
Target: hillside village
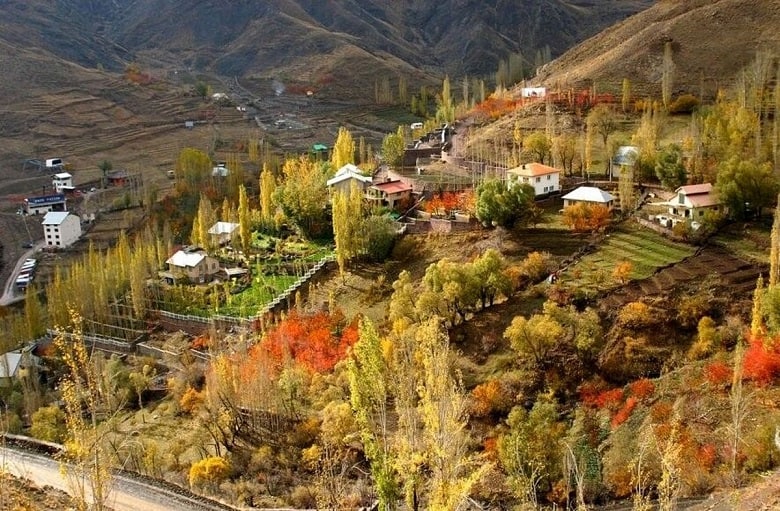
column 549, row 297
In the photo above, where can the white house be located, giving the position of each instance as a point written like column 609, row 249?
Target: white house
column 389, row 193
column 193, row 263
column 16, row 365
column 625, row 157
column 693, row 201
column 543, row 179
column 62, row 182
column 222, row 232
column 61, row 229
column 345, row 176
column 589, row 195
column 533, row 92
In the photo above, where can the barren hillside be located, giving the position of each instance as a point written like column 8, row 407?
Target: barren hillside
column 711, row 41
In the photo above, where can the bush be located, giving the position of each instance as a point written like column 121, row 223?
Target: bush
column 48, row 423
column 718, row 374
column 489, row 398
column 209, row 471
column 537, row 265
column 582, row 217
column 642, row 389
column 624, row 413
column 762, row 361
column 635, row 315
column 191, row 400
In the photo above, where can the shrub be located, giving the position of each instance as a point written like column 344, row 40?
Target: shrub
column 625, row 412
column 537, row 265
column 718, row 374
column 48, row 423
column 642, row 389
column 635, row 315
column 582, row 217
column 209, row 471
column 191, row 400
column 610, row 399
column 705, row 341
column 622, row 271
column 488, row 398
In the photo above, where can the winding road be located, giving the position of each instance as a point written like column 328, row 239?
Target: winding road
column 127, row 494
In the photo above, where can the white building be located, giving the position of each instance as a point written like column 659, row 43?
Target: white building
column 61, row 229
column 589, row 195
column 62, row 182
column 44, row 204
column 223, row 232
column 543, row 179
column 346, row 175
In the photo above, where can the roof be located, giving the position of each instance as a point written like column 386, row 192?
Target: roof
column 319, row 147
column 689, row 190
column 117, row 174
column 235, row 272
column 589, row 194
column 393, row 187
column 184, row 259
column 533, row 170
column 63, row 175
column 700, row 196
column 55, row 217
column 348, row 171
column 9, row 364
column 223, row 228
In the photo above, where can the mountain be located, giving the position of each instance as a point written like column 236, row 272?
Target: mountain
column 711, row 41
column 308, row 41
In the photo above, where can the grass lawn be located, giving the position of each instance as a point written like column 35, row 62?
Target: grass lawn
column 249, row 301
column 750, row 241
column 644, row 249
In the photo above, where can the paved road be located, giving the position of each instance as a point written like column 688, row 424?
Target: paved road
column 10, row 295
column 127, row 494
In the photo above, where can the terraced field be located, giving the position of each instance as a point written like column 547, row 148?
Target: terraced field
column 646, row 250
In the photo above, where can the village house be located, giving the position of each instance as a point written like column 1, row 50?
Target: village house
column 192, row 263
column 693, row 201
column 544, row 179
column 17, row 364
column 61, row 229
column 625, row 158
column 345, row 176
column 117, row 178
column 389, row 193
column 222, row 232
column 589, row 195
column 62, row 182
column 45, row 203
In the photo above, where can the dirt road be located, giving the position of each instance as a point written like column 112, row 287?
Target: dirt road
column 127, row 494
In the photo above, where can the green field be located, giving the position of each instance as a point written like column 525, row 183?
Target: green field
column 644, row 249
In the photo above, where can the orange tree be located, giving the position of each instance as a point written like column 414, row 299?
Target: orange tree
column 583, row 217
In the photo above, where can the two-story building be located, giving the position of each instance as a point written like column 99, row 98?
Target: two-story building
column 544, row 179
column 62, row 182
column 61, row 229
column 192, row 263
column 389, row 193
column 345, row 176
column 693, row 201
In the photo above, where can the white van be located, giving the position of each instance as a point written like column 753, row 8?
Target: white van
column 416, row 125
column 53, row 163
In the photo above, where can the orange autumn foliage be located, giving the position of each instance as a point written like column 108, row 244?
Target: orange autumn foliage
column 642, row 389
column 718, row 374
column 316, row 341
column 624, row 413
column 583, row 217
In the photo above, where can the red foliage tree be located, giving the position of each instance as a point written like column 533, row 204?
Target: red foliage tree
column 718, row 374
column 762, row 360
column 317, row 341
column 642, row 389
column 625, row 411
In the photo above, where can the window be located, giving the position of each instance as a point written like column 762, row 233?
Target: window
column 538, row 179
column 681, row 198
column 525, row 180
column 549, row 177
column 701, row 212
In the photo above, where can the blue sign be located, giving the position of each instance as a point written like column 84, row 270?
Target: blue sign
column 46, row 199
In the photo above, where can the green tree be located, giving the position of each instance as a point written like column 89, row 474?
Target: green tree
column 369, row 394
column 488, row 273
column 393, row 148
column 499, row 205
column 669, row 167
column 192, row 170
column 378, row 235
column 343, row 149
column 746, row 187
column 446, row 108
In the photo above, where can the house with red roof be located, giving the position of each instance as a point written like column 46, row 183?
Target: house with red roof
column 693, row 201
column 389, row 193
column 544, row 179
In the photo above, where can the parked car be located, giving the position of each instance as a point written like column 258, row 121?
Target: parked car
column 28, row 244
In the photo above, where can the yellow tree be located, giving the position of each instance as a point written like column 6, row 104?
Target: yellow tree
column 303, row 194
column 347, row 219
column 244, row 220
column 192, row 169
column 267, row 189
column 343, row 149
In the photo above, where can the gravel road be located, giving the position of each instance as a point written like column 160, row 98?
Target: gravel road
column 127, row 494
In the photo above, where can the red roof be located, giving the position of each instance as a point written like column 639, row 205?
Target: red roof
column 533, row 170
column 393, row 187
column 695, row 189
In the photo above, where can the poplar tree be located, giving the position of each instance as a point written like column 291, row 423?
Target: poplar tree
column 343, row 149
column 368, row 374
column 667, row 75
column 244, row 219
column 267, row 188
column 347, row 221
column 626, row 96
column 774, row 252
